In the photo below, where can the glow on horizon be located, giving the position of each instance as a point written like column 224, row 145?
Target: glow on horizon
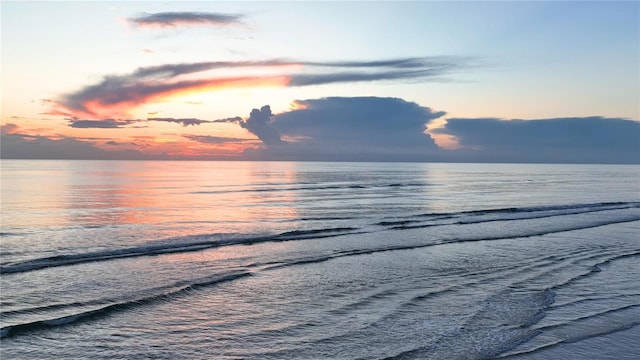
column 510, row 61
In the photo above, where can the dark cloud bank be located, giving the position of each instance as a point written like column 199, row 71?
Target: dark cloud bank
column 353, row 129
column 391, row 129
column 14, row 145
column 379, row 129
column 565, row 140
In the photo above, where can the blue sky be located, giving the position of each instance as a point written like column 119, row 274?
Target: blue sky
column 112, row 79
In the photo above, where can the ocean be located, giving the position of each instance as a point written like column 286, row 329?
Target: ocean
column 312, row 260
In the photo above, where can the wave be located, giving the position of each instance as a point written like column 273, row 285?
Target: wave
column 596, row 299
column 314, row 188
column 580, row 329
column 344, row 253
column 593, row 323
column 595, row 268
column 204, row 241
column 364, row 302
column 299, row 233
column 176, row 290
column 533, row 208
column 503, row 321
column 150, row 250
column 8, row 233
column 505, row 214
column 532, row 317
column 592, row 316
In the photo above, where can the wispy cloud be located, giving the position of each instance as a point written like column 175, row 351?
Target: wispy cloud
column 193, row 121
column 121, row 123
column 173, row 19
column 116, row 95
column 9, row 128
column 343, row 77
column 207, row 139
column 99, row 124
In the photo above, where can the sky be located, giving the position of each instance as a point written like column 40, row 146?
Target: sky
column 477, row 81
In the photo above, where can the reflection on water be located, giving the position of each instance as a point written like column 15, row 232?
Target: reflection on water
column 101, row 204
column 103, row 193
column 256, row 196
column 312, row 260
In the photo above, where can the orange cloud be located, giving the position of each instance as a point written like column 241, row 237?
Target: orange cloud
column 116, row 95
column 118, row 101
column 9, row 128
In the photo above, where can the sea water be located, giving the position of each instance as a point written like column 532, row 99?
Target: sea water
column 292, row 260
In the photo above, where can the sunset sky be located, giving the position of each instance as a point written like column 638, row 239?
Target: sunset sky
column 428, row 81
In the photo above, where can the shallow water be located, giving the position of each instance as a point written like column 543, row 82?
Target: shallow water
column 280, row 260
